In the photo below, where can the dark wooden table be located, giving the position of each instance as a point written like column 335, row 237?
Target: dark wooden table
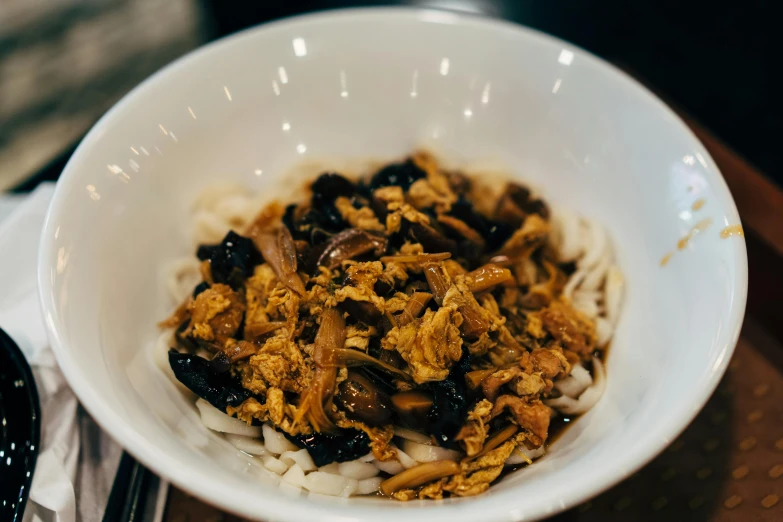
column 728, row 465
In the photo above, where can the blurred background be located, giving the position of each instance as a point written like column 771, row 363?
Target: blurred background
column 63, row 63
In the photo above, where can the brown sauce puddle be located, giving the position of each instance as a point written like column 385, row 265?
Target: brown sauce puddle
column 558, row 425
column 701, row 226
column 732, row 230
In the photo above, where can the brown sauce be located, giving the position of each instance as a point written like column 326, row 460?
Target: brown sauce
column 666, row 258
column 732, row 230
column 701, row 226
column 557, row 427
column 698, row 204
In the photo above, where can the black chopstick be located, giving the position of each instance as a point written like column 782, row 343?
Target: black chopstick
column 128, row 492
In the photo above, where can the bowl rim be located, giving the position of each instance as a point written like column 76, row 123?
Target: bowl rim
column 282, row 507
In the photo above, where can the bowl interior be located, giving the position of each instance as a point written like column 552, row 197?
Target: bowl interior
column 338, row 90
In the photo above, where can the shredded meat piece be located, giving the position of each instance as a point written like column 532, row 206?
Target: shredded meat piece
column 530, row 384
column 216, row 314
column 535, row 326
column 363, row 218
column 551, row 363
column 531, row 415
column 429, row 345
column 572, row 358
column 459, row 296
column 527, row 238
column 570, row 327
column 474, row 432
column 492, row 384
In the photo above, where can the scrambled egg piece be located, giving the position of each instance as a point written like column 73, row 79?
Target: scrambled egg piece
column 360, row 279
column 363, row 218
column 358, row 336
column 257, row 290
column 276, row 410
column 270, row 300
column 397, row 209
column 426, row 193
column 319, row 296
column 475, row 431
column 279, row 364
column 216, row 314
column 429, row 345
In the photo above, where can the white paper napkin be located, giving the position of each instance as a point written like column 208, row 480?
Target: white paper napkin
column 77, row 461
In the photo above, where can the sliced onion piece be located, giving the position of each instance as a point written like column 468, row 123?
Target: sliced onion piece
column 604, row 330
column 276, row 442
column 333, row 468
column 300, row 458
column 596, row 247
column 328, row 484
column 568, row 234
column 523, row 455
column 404, row 458
column 414, row 436
column 274, row 465
column 215, row 419
column 249, row 445
column 428, row 453
column 357, row 470
column 367, row 458
column 577, row 382
column 588, row 399
column 392, row 467
column 295, row 476
column 613, row 292
column 369, row 486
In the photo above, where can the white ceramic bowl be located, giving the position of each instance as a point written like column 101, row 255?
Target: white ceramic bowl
column 375, row 84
